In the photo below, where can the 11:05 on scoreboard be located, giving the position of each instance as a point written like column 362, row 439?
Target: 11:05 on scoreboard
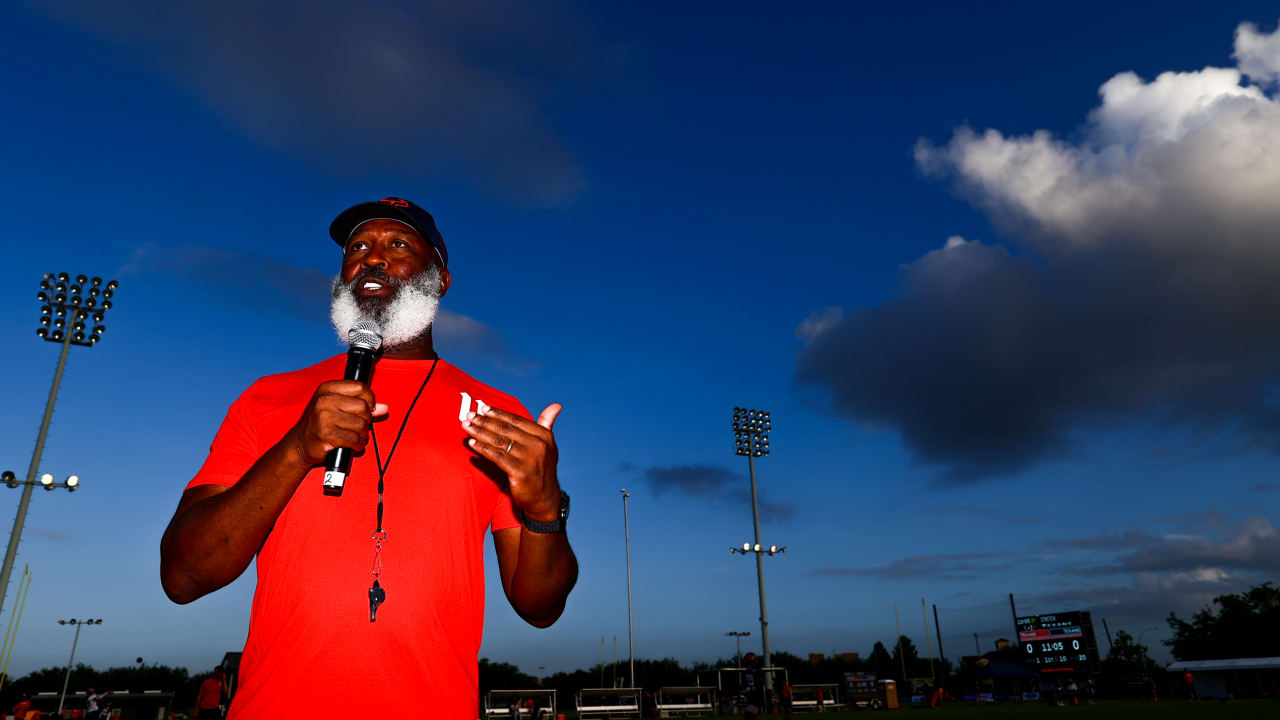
column 1062, row 642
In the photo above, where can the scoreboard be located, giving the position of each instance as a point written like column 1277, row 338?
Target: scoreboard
column 1062, row 642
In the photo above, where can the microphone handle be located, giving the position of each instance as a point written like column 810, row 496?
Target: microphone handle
column 337, row 464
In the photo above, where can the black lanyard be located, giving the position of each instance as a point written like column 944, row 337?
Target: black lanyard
column 377, row 595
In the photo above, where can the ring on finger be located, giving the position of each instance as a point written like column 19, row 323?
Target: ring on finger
column 509, row 446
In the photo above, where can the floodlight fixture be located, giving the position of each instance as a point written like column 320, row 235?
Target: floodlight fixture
column 751, row 432
column 82, row 300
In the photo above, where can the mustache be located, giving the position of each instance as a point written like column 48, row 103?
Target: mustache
column 375, row 273
column 340, row 287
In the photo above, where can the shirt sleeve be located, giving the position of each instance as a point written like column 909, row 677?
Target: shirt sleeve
column 233, row 452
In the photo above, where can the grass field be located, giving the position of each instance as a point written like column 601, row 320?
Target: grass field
column 1175, row 710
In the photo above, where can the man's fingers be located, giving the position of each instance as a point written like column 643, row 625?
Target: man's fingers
column 549, row 413
column 498, row 455
column 379, row 409
column 347, row 388
column 513, row 426
column 487, row 435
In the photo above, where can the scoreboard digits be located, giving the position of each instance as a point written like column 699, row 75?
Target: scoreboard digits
column 1062, row 642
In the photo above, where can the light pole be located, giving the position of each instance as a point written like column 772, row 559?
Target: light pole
column 751, row 438
column 72, row 660
column 738, row 635
column 1143, row 648
column 62, row 302
column 1145, row 661
column 626, row 525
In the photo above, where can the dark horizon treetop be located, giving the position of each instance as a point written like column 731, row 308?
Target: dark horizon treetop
column 1243, row 625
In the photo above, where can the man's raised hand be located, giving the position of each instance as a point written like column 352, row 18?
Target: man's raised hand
column 526, row 451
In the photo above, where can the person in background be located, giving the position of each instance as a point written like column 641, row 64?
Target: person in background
column 209, row 697
column 1190, row 681
column 91, row 708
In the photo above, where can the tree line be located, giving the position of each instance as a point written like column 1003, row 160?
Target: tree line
column 135, row 678
column 1241, row 625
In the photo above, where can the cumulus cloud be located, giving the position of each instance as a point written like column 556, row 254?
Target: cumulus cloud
column 715, row 484
column 1258, row 54
column 1140, row 284
column 445, row 88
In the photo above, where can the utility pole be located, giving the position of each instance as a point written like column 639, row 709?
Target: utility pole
column 626, row 524
column 938, row 628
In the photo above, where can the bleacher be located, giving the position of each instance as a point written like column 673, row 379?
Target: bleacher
column 497, row 704
column 608, row 703
column 674, row 701
column 804, row 698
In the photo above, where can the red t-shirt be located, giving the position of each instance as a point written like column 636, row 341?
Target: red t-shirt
column 311, row 649
column 210, row 694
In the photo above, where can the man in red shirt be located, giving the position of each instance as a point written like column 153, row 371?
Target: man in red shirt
column 209, row 697
column 388, row 612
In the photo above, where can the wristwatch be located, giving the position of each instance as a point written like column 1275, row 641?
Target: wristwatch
column 554, row 526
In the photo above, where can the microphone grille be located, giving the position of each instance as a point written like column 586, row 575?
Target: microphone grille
column 365, row 334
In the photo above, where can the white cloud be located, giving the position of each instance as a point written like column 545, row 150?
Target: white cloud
column 1258, row 54
column 1196, row 145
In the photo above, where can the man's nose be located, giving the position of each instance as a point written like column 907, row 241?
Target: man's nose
column 375, row 258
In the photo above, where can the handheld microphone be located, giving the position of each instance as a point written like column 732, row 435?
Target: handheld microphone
column 365, row 338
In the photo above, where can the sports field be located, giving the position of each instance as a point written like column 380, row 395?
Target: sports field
column 1173, row 710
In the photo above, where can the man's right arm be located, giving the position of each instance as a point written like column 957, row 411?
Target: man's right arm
column 216, row 530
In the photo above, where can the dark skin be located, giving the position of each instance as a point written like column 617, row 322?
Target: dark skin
column 216, row 530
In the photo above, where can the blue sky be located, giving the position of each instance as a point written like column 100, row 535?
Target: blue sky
column 1009, row 306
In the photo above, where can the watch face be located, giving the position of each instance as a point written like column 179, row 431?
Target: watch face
column 564, row 506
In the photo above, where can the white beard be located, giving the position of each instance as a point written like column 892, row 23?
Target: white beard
column 404, row 320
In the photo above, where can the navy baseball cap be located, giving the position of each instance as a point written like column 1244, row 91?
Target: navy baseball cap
column 389, row 208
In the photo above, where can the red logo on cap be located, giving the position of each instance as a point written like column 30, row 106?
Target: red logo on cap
column 395, row 201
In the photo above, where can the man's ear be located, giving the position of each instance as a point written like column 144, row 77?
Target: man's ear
column 445, row 279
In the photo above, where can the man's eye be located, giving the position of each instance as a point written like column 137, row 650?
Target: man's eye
column 399, row 243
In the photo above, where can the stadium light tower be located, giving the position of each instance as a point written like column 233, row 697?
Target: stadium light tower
column 72, row 661
column 65, row 308
column 751, row 430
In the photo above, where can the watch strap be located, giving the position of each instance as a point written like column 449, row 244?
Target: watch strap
column 555, row 526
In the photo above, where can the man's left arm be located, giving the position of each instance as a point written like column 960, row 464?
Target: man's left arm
column 538, row 569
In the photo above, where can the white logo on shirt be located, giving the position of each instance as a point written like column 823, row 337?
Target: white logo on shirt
column 465, row 410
